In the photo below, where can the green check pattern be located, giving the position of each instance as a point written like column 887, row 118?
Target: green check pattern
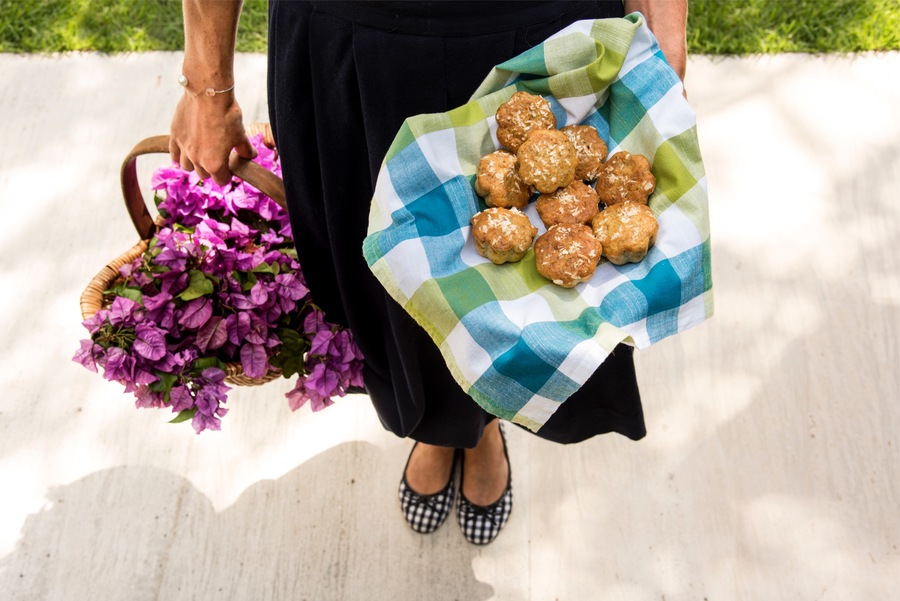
column 517, row 344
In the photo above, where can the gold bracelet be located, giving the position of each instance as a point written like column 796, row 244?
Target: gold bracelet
column 183, row 82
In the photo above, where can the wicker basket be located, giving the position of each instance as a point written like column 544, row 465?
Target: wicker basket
column 255, row 175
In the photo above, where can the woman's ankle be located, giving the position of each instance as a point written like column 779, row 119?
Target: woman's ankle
column 429, row 468
column 486, row 470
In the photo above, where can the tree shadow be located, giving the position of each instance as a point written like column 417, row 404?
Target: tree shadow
column 316, row 533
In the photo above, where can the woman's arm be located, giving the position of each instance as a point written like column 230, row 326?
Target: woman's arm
column 667, row 19
column 206, row 127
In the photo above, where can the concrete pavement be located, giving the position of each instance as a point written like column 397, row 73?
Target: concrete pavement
column 772, row 466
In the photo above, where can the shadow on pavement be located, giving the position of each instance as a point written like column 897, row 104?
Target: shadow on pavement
column 317, row 533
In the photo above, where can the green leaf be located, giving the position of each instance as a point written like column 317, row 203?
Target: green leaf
column 289, row 336
column 291, row 353
column 272, row 268
column 183, row 416
column 247, row 280
column 289, row 364
column 164, row 384
column 199, row 286
column 205, row 362
column 134, row 294
column 293, row 343
column 130, row 292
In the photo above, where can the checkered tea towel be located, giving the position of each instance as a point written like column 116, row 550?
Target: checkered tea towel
column 516, row 343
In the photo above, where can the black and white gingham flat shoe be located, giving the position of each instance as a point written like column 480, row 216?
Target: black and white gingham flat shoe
column 425, row 513
column 481, row 524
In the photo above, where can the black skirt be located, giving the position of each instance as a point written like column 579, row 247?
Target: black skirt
column 342, row 78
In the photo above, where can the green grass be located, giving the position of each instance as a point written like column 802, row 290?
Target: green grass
column 714, row 27
column 110, row 25
column 770, row 26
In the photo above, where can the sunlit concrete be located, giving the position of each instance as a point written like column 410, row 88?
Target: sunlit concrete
column 771, row 470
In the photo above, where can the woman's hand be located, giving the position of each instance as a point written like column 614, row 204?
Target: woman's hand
column 206, row 127
column 667, row 19
column 204, row 130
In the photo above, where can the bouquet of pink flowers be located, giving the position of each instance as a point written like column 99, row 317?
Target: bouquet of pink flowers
column 219, row 283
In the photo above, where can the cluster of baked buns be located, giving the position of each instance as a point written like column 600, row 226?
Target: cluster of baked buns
column 568, row 167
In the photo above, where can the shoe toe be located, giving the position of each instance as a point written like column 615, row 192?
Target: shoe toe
column 425, row 513
column 481, row 525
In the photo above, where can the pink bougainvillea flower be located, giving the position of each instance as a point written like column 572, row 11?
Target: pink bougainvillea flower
column 119, row 365
column 196, row 313
column 146, row 398
column 181, row 398
column 254, row 360
column 123, row 310
column 149, row 342
column 218, row 284
column 212, row 334
column 86, row 355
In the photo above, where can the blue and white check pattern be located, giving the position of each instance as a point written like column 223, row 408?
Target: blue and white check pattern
column 515, row 342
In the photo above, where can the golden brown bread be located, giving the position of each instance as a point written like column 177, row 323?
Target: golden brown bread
column 547, row 160
column 590, row 148
column 519, row 116
column 625, row 176
column 497, row 181
column 576, row 203
column 567, row 254
column 626, row 230
column 502, row 235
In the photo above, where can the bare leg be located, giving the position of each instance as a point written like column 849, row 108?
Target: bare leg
column 486, row 471
column 429, row 468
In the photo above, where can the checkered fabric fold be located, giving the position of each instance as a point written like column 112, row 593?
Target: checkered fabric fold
column 516, row 343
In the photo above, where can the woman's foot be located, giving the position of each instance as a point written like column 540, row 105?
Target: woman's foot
column 427, row 489
column 485, row 469
column 429, row 468
column 485, row 500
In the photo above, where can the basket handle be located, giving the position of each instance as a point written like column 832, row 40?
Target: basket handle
column 255, row 175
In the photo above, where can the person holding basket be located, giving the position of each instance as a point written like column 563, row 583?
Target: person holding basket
column 342, row 77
